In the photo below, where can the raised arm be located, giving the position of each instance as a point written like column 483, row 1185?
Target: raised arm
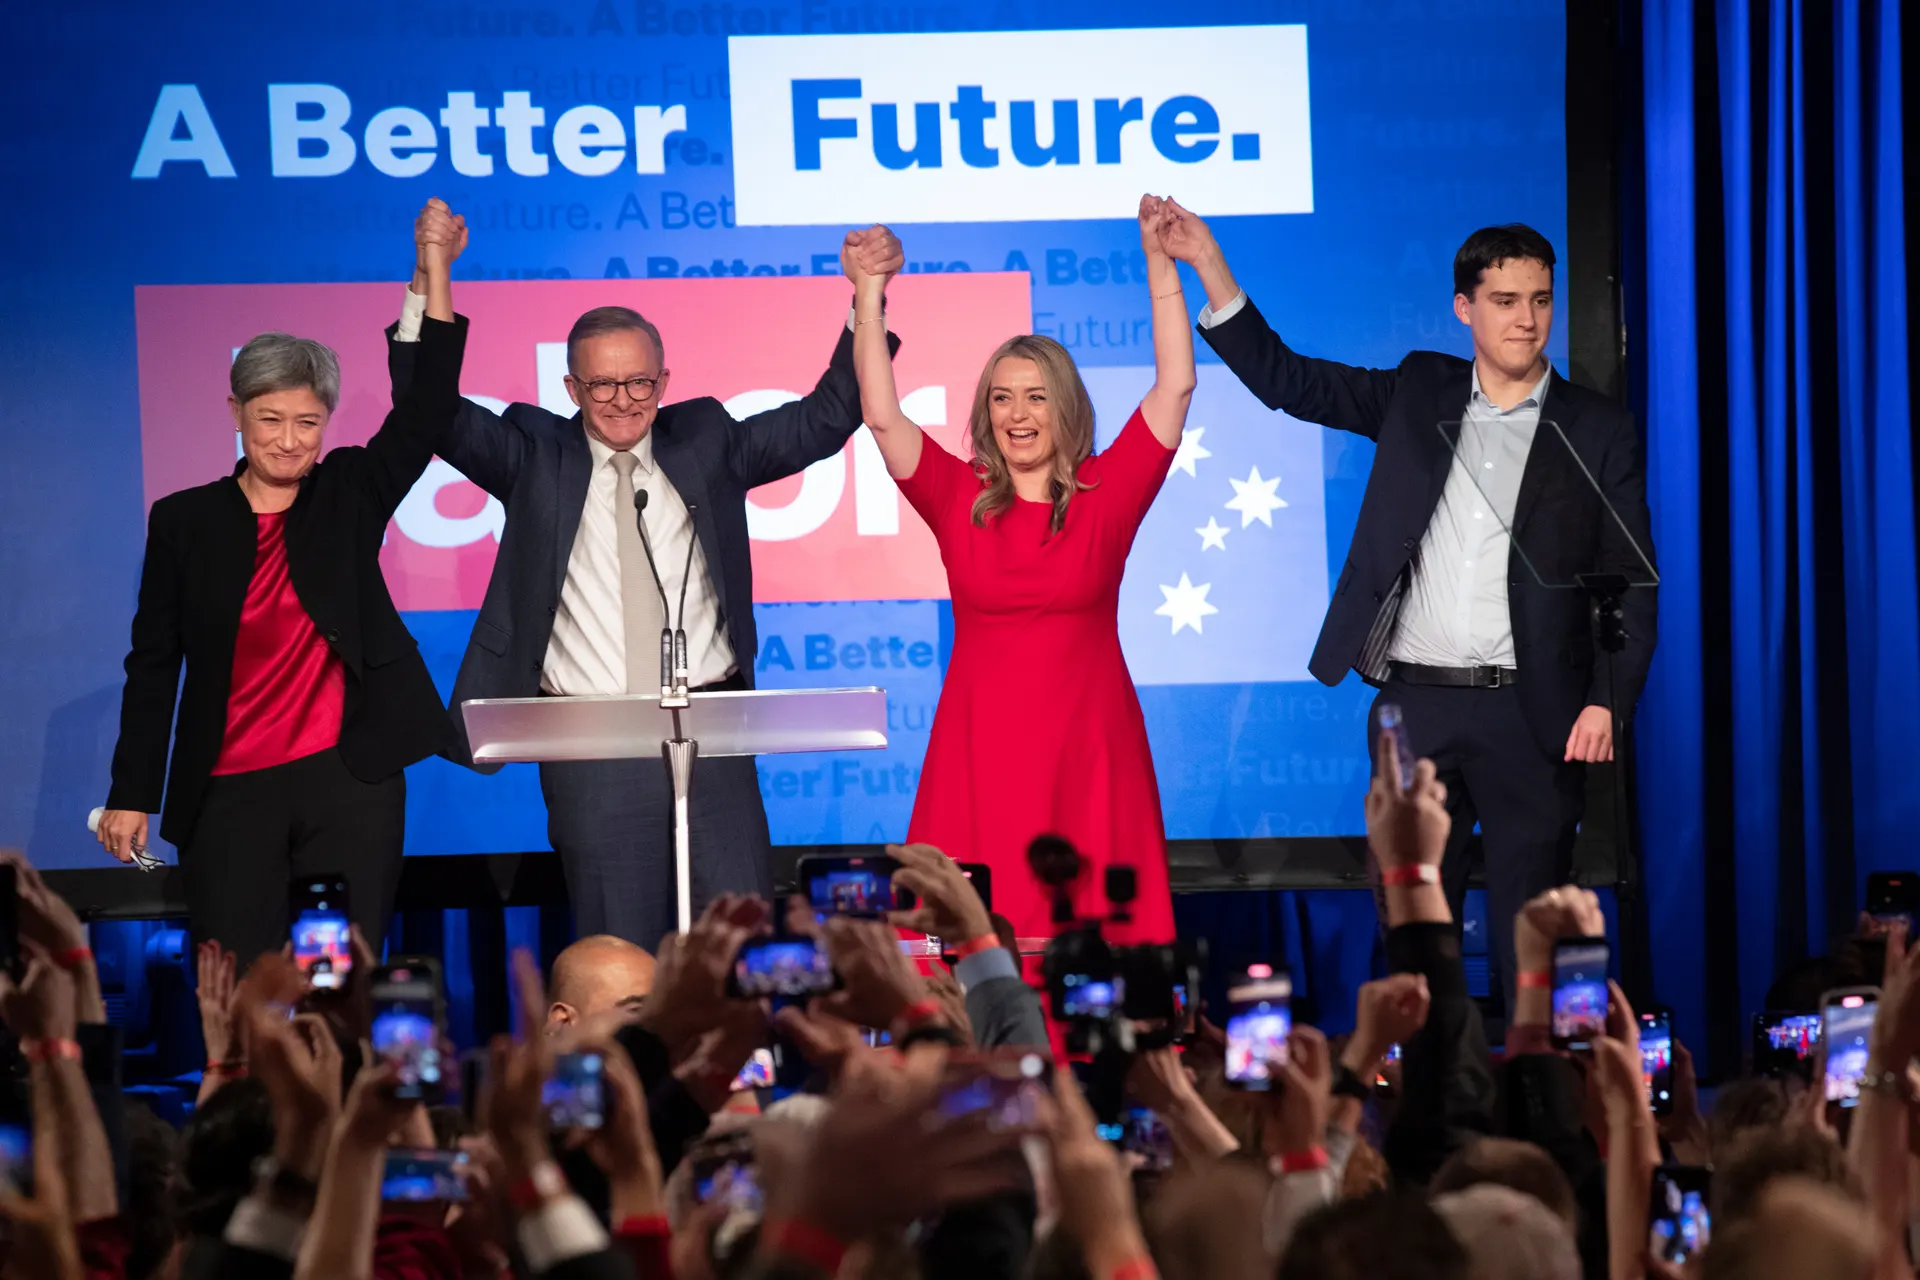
column 486, row 448
column 1165, row 405
column 1323, row 391
column 427, row 406
column 898, row 436
column 794, row 436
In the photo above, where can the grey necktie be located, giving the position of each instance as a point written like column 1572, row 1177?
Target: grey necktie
column 640, row 609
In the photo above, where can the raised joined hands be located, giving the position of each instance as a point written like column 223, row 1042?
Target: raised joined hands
column 439, row 237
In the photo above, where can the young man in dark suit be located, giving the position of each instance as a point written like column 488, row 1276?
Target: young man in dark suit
column 578, row 595
column 1490, row 654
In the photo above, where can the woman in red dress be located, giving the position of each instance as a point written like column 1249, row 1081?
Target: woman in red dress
column 1038, row 728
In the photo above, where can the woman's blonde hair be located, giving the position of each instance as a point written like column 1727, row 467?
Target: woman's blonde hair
column 1070, row 412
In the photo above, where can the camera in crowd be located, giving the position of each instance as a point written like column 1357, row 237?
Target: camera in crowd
column 1113, row 1000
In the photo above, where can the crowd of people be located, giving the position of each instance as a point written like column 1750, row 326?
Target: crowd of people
column 904, row 1155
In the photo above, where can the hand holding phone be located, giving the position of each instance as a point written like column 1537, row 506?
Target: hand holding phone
column 1848, row 1014
column 837, row 886
column 1579, row 992
column 789, row 967
column 408, row 1013
column 322, row 930
column 1678, row 1223
column 1259, row 1021
column 424, row 1175
column 1656, row 1058
column 575, row 1093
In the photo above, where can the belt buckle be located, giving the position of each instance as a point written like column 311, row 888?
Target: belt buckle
column 1496, row 677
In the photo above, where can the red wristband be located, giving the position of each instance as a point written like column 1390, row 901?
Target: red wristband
column 1536, row 979
column 1418, row 873
column 809, row 1243
column 1303, row 1161
column 918, row 1011
column 46, row 1050
column 1140, row 1268
column 234, row 1069
column 974, row 946
column 74, row 957
column 637, row 1225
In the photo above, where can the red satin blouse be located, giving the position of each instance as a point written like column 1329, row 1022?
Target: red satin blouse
column 289, row 690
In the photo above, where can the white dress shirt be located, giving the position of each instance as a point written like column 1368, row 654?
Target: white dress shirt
column 1454, row 613
column 588, row 651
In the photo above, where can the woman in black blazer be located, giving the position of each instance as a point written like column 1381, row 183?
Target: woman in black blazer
column 305, row 695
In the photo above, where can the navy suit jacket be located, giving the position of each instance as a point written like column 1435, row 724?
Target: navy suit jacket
column 1558, row 520
column 538, row 464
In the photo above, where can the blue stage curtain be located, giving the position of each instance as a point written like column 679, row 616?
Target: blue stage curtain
column 1777, row 736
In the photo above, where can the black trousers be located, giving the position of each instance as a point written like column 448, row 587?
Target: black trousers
column 1527, row 801
column 611, row 822
column 260, row 830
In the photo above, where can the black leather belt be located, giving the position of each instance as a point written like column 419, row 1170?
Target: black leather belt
column 1453, row 677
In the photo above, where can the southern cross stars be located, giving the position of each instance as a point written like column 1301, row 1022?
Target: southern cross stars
column 1212, row 534
column 1190, row 452
column 1255, row 499
column 1186, row 605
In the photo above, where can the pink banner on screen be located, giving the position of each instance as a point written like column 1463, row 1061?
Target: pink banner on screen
column 839, row 531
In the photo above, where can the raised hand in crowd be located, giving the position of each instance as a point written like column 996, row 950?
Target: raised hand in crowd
column 950, row 908
column 1159, row 1081
column 1407, row 835
column 689, row 996
column 1877, row 1138
column 45, row 919
column 1633, row 1139
column 346, row 1212
column 1094, row 1188
column 1388, row 1011
column 299, row 1065
column 39, row 1228
column 1294, row 1117
column 879, row 983
column 214, row 992
column 1565, row 912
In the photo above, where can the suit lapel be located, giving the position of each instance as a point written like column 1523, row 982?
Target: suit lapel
column 677, row 461
column 574, row 477
column 231, row 552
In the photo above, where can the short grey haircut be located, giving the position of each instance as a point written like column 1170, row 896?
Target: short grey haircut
column 604, row 320
column 1509, row 1235
column 281, row 362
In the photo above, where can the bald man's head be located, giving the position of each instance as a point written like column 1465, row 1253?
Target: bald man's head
column 596, row 975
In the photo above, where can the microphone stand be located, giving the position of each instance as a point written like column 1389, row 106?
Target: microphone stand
column 679, row 750
column 1603, row 592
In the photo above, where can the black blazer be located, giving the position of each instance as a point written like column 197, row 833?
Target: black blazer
column 1558, row 519
column 199, row 562
column 538, row 464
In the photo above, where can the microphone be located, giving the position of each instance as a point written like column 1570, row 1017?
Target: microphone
column 680, row 664
column 666, row 633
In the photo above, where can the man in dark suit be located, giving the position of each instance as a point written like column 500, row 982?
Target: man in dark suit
column 602, row 511
column 1490, row 656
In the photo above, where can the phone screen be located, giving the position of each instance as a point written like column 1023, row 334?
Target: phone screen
column 757, row 1074
column 1088, row 997
column 1259, row 1020
column 1393, row 724
column 1656, row 1059
column 733, row 1181
column 1784, row 1043
column 1849, row 1022
column 781, row 967
column 1678, row 1222
column 1579, row 991
column 1007, row 1087
column 1141, row 1134
column 322, row 938
column 424, row 1174
column 575, row 1093
column 406, row 1028
column 849, row 886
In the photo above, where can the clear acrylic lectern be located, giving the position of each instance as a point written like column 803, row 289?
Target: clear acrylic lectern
column 630, row 726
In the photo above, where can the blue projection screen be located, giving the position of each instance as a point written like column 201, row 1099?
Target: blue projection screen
column 186, row 175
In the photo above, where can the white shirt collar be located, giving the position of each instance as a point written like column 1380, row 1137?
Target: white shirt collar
column 642, row 452
column 1535, row 397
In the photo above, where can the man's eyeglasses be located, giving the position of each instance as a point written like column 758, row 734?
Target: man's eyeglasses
column 603, row 390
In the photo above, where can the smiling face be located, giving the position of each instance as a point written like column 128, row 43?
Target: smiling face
column 606, row 364
column 281, row 433
column 1022, row 416
column 1511, row 315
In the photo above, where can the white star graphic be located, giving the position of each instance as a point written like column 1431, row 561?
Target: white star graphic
column 1255, row 499
column 1186, row 604
column 1212, row 534
column 1190, row 451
